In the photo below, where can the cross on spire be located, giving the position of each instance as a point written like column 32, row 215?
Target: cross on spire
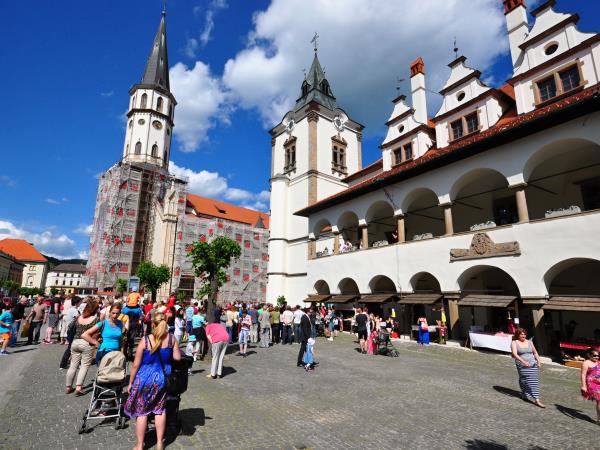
column 314, row 41
column 164, row 10
column 455, row 49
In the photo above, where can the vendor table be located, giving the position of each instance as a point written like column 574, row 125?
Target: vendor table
column 574, row 346
column 500, row 342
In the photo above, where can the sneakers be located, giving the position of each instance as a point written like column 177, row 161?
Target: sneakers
column 3, row 353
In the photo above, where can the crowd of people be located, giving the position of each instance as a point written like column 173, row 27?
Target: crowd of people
column 151, row 335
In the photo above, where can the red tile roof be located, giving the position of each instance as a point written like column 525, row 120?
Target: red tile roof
column 209, row 207
column 21, row 250
column 507, row 125
column 373, row 167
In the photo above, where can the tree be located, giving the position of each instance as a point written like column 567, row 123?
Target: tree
column 53, row 291
column 121, row 285
column 10, row 286
column 152, row 276
column 181, row 297
column 280, row 301
column 209, row 261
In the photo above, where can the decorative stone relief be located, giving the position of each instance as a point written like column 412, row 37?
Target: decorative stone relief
column 483, row 226
column 381, row 243
column 420, row 237
column 482, row 246
column 562, row 211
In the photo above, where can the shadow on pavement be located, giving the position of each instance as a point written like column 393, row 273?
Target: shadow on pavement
column 24, row 350
column 480, row 444
column 507, row 391
column 227, row 371
column 192, row 418
column 574, row 413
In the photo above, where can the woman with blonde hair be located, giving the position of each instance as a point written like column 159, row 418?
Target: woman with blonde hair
column 147, row 382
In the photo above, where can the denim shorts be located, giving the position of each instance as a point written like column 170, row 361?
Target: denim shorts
column 244, row 334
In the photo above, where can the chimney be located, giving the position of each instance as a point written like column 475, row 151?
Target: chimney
column 417, row 87
column 516, row 23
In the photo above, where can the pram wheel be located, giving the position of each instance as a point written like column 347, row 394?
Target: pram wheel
column 82, row 427
column 120, row 423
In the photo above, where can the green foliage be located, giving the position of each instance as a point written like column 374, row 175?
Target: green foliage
column 10, row 286
column 53, row 291
column 121, row 285
column 152, row 276
column 209, row 259
column 27, row 291
column 280, row 301
column 181, row 296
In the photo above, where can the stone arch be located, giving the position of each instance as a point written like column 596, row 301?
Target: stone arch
column 323, row 232
column 490, row 280
column 347, row 225
column 422, row 214
column 574, row 276
column 380, row 223
column 563, row 176
column 424, row 282
column 381, row 284
column 321, row 288
column 347, row 286
column 481, row 196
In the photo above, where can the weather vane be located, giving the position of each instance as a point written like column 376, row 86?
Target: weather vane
column 314, row 41
column 455, row 49
column 164, row 11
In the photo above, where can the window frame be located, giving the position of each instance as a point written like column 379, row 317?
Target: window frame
column 405, row 153
column 338, row 157
column 464, row 125
column 289, row 155
column 560, row 91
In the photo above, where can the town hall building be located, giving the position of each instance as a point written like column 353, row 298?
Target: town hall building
column 484, row 215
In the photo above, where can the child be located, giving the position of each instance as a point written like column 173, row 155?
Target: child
column 191, row 349
column 309, row 355
column 6, row 320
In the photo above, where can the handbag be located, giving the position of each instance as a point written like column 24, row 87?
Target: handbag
column 25, row 330
column 170, row 380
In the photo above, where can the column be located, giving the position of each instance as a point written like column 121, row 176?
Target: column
column 539, row 330
column 336, row 243
column 522, row 209
column 312, row 248
column 448, row 219
column 453, row 315
column 400, row 228
column 364, row 236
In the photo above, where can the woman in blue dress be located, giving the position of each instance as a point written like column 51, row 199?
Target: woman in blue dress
column 147, row 384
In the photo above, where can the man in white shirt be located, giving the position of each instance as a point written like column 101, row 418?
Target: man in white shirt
column 297, row 318
column 287, row 318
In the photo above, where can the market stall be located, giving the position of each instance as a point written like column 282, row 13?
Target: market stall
column 344, row 306
column 314, row 299
column 494, row 340
column 412, row 305
column 577, row 325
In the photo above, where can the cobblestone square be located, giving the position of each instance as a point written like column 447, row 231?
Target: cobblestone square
column 429, row 397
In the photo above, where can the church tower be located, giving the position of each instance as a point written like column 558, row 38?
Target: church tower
column 313, row 149
column 151, row 108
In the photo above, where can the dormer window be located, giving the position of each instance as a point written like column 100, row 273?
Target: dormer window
column 557, row 83
column 397, row 155
column 457, row 129
column 472, row 123
column 305, row 87
column 408, row 152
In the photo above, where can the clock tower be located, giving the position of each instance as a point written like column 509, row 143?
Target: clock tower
column 151, row 108
column 314, row 148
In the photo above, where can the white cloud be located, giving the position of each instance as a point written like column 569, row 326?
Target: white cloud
column 54, row 201
column 7, row 181
column 190, row 47
column 209, row 19
column 84, row 229
column 365, row 46
column 202, row 103
column 107, row 94
column 48, row 242
column 213, row 185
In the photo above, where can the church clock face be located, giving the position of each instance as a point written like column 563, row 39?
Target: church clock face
column 290, row 126
column 141, row 121
column 156, row 124
column 338, row 123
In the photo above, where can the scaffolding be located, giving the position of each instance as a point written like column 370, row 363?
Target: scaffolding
column 246, row 276
column 120, row 239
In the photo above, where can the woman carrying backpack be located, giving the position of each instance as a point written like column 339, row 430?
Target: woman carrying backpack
column 147, row 381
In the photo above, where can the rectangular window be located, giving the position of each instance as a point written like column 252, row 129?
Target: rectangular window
column 408, row 153
column 457, row 129
column 570, row 78
column 290, row 158
column 338, row 159
column 472, row 123
column 397, row 155
column 547, row 89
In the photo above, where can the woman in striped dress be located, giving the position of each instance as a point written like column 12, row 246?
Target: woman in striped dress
column 528, row 365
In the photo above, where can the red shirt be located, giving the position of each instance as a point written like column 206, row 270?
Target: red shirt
column 171, row 302
column 217, row 333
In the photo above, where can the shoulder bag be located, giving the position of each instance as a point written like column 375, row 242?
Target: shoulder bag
column 170, row 380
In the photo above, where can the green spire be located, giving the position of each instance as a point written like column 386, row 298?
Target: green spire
column 315, row 87
column 156, row 73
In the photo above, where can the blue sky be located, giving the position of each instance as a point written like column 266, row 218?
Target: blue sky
column 236, row 69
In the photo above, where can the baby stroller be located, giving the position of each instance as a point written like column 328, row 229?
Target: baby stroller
column 384, row 345
column 107, row 394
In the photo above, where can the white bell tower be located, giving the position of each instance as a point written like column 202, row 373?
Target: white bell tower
column 151, row 109
column 314, row 148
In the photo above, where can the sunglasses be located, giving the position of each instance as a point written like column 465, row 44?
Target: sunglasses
column 594, row 355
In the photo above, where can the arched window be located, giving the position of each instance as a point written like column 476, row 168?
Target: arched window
column 165, row 156
column 155, row 151
column 171, row 111
column 159, row 104
column 144, row 101
column 305, row 88
column 138, row 148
